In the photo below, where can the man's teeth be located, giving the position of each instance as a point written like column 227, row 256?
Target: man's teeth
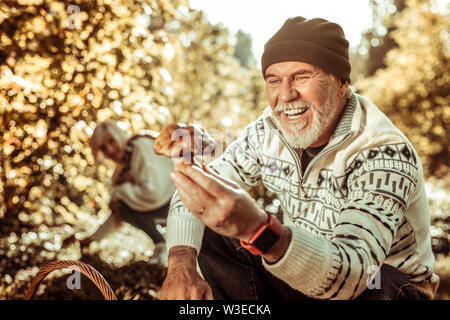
column 294, row 113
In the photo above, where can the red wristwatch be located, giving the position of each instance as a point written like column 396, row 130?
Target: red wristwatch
column 264, row 238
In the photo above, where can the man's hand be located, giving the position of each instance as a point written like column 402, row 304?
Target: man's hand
column 183, row 282
column 220, row 204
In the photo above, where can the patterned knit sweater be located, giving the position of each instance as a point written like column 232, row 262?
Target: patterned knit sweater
column 359, row 203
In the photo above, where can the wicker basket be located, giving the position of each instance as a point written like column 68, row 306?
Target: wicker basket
column 84, row 268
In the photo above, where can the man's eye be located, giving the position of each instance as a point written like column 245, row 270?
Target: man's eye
column 273, row 81
column 299, row 78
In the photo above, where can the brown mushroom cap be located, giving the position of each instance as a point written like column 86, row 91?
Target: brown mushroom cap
column 180, row 141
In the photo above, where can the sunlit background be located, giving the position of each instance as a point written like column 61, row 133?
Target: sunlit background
column 67, row 65
column 260, row 19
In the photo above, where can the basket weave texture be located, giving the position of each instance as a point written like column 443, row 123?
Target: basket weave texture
column 79, row 266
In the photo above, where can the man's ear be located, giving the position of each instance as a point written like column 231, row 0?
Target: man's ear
column 343, row 85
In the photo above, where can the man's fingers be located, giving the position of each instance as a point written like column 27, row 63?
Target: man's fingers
column 197, row 293
column 216, row 186
column 177, row 286
column 208, row 294
column 185, row 198
column 193, row 196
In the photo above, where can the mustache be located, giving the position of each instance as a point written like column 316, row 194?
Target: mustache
column 294, row 105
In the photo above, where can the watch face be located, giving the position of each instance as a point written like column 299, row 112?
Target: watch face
column 266, row 240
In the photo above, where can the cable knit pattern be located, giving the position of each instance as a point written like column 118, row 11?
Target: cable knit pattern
column 360, row 203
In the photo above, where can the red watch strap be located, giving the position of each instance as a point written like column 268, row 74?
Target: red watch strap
column 273, row 224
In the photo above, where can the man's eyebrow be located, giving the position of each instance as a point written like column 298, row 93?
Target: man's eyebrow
column 295, row 73
column 268, row 75
column 302, row 71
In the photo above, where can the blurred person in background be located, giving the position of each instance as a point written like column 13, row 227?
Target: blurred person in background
column 141, row 186
column 355, row 221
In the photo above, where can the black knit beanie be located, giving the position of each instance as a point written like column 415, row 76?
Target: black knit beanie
column 314, row 41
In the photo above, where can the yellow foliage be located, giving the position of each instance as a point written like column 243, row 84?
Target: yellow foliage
column 67, row 66
column 414, row 88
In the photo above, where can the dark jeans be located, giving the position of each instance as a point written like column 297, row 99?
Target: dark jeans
column 234, row 273
column 145, row 220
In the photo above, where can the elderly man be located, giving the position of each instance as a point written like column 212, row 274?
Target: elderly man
column 355, row 218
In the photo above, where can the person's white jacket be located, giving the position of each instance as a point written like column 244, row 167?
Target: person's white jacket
column 359, row 204
column 146, row 184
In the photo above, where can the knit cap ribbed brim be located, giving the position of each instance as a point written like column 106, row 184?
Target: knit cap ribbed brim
column 314, row 41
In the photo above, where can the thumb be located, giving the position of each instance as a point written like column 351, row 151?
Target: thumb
column 208, row 294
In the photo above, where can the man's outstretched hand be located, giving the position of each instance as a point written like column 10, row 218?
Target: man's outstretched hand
column 227, row 210
column 220, row 204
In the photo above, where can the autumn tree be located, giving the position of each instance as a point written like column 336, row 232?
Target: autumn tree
column 209, row 84
column 243, row 49
column 65, row 67
column 414, row 88
column 378, row 38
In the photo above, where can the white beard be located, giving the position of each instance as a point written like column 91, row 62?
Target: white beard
column 300, row 138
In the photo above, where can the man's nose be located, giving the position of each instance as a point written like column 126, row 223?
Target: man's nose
column 288, row 92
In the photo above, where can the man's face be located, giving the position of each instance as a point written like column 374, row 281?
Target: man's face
column 304, row 102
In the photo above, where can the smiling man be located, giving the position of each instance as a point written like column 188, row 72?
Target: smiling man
column 355, row 221
column 309, row 121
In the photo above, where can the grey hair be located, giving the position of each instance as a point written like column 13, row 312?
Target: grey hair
column 104, row 130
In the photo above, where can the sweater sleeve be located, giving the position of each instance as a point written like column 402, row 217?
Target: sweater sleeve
column 379, row 192
column 239, row 163
column 152, row 187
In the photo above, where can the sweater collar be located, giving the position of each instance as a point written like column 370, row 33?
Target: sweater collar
column 350, row 119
